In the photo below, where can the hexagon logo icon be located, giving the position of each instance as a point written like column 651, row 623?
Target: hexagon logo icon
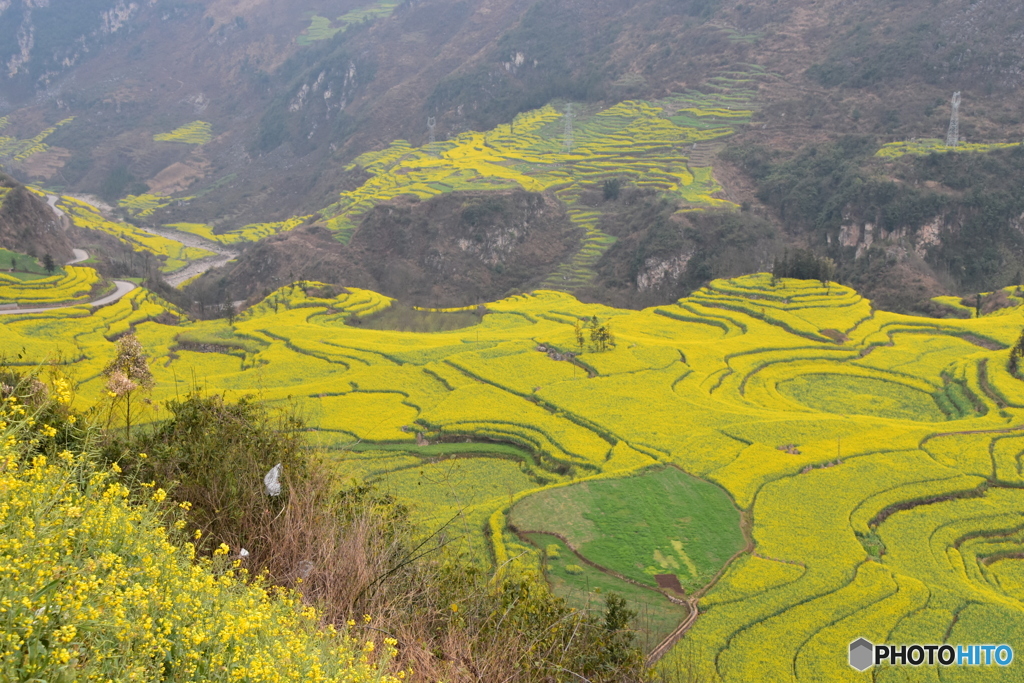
column 862, row 654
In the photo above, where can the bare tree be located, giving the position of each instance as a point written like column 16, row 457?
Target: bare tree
column 126, row 375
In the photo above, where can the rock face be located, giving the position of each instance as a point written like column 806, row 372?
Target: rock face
column 39, row 53
column 29, row 226
column 900, row 241
column 655, row 270
column 454, row 249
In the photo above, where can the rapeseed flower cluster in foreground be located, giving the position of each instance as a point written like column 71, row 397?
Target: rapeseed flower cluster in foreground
column 93, row 587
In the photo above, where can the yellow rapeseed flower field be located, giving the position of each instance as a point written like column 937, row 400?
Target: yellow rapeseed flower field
column 877, row 457
column 93, row 588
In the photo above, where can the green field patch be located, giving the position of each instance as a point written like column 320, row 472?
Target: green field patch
column 660, row 522
column 585, row 587
column 320, row 28
column 849, row 395
column 25, row 267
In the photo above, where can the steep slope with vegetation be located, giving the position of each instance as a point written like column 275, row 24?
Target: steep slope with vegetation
column 29, row 226
column 95, row 583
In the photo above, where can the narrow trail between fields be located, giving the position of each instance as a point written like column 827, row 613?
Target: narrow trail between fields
column 690, row 603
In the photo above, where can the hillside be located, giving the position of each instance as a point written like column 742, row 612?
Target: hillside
column 262, row 121
column 873, row 458
column 455, row 249
column 510, row 340
column 29, row 226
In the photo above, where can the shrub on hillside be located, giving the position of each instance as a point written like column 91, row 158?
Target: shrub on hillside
column 214, row 454
column 353, row 551
column 93, row 586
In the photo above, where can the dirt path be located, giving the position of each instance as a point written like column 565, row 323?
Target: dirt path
column 690, row 603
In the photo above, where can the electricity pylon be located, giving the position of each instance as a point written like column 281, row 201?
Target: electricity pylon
column 567, row 141
column 953, row 135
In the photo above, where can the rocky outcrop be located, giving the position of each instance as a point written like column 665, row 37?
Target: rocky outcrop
column 861, row 235
column 657, row 271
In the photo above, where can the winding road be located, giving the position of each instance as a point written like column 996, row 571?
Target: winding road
column 121, row 288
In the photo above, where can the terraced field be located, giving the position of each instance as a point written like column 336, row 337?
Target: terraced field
column 322, row 28
column 14, row 150
column 247, row 233
column 662, row 145
column 877, row 459
column 925, row 146
column 73, row 284
column 172, row 255
column 195, row 133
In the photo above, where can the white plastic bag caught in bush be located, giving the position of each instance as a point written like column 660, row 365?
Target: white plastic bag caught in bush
column 272, row 481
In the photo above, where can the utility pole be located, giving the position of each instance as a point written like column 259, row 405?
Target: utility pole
column 953, row 135
column 567, row 141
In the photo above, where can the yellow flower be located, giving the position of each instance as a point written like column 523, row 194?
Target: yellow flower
column 159, row 495
column 198, row 534
column 222, row 549
column 143, row 456
column 72, row 419
column 115, row 467
column 454, row 607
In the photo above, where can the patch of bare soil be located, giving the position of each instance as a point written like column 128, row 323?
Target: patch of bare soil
column 46, row 164
column 179, row 176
